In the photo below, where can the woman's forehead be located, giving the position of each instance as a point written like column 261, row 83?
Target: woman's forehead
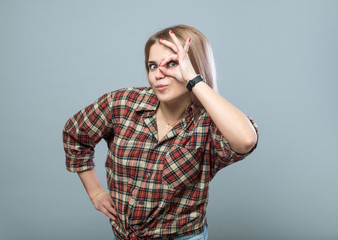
column 158, row 52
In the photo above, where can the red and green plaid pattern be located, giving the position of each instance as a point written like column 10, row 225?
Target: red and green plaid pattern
column 160, row 189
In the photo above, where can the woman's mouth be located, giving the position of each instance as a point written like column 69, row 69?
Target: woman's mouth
column 161, row 87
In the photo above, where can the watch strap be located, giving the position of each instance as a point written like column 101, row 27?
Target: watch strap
column 194, row 81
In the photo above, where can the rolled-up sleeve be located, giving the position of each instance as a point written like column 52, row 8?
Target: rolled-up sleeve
column 84, row 130
column 222, row 154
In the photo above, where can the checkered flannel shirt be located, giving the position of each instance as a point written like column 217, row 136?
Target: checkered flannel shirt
column 160, row 188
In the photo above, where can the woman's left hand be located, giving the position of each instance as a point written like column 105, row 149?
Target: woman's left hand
column 184, row 71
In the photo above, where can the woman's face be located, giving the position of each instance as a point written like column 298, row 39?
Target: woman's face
column 167, row 88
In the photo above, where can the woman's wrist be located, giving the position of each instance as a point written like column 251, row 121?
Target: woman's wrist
column 96, row 193
column 190, row 76
column 191, row 83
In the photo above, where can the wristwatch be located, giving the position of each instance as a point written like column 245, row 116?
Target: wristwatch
column 194, row 81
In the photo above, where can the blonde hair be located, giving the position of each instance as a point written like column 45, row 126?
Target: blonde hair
column 200, row 52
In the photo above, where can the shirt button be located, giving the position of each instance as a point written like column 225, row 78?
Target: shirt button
column 148, row 175
column 136, row 227
column 141, row 203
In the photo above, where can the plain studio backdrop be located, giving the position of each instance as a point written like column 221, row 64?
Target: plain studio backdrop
column 276, row 61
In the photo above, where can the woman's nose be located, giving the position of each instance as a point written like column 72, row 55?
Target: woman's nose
column 159, row 74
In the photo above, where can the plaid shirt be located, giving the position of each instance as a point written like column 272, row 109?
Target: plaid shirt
column 160, row 188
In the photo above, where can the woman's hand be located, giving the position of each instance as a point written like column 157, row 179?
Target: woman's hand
column 97, row 194
column 183, row 70
column 103, row 203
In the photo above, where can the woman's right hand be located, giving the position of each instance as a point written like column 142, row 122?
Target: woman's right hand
column 100, row 198
column 103, row 202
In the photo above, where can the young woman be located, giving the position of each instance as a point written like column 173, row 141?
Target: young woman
column 165, row 142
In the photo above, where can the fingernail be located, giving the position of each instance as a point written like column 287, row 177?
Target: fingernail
column 189, row 39
column 171, row 31
column 160, row 39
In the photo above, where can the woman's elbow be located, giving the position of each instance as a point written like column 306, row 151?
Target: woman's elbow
column 246, row 144
column 251, row 143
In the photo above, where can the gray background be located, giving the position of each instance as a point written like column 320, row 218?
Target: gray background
column 276, row 61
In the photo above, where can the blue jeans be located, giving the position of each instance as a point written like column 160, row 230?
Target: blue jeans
column 199, row 236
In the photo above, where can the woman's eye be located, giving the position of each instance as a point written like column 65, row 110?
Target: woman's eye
column 152, row 66
column 172, row 64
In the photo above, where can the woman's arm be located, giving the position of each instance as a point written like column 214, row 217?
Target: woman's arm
column 97, row 194
column 232, row 123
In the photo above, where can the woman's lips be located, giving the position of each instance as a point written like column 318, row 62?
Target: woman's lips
column 161, row 87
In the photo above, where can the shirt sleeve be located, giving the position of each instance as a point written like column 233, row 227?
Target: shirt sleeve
column 84, row 130
column 222, row 154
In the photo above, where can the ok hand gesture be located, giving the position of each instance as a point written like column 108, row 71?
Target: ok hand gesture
column 177, row 65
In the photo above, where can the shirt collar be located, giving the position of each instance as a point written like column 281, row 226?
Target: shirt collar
column 147, row 101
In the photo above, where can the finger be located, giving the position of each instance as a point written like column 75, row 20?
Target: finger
column 167, row 72
column 168, row 59
column 168, row 44
column 111, row 209
column 172, row 72
column 108, row 209
column 176, row 41
column 107, row 213
column 187, row 44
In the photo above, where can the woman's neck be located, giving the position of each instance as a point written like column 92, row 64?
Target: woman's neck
column 173, row 112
